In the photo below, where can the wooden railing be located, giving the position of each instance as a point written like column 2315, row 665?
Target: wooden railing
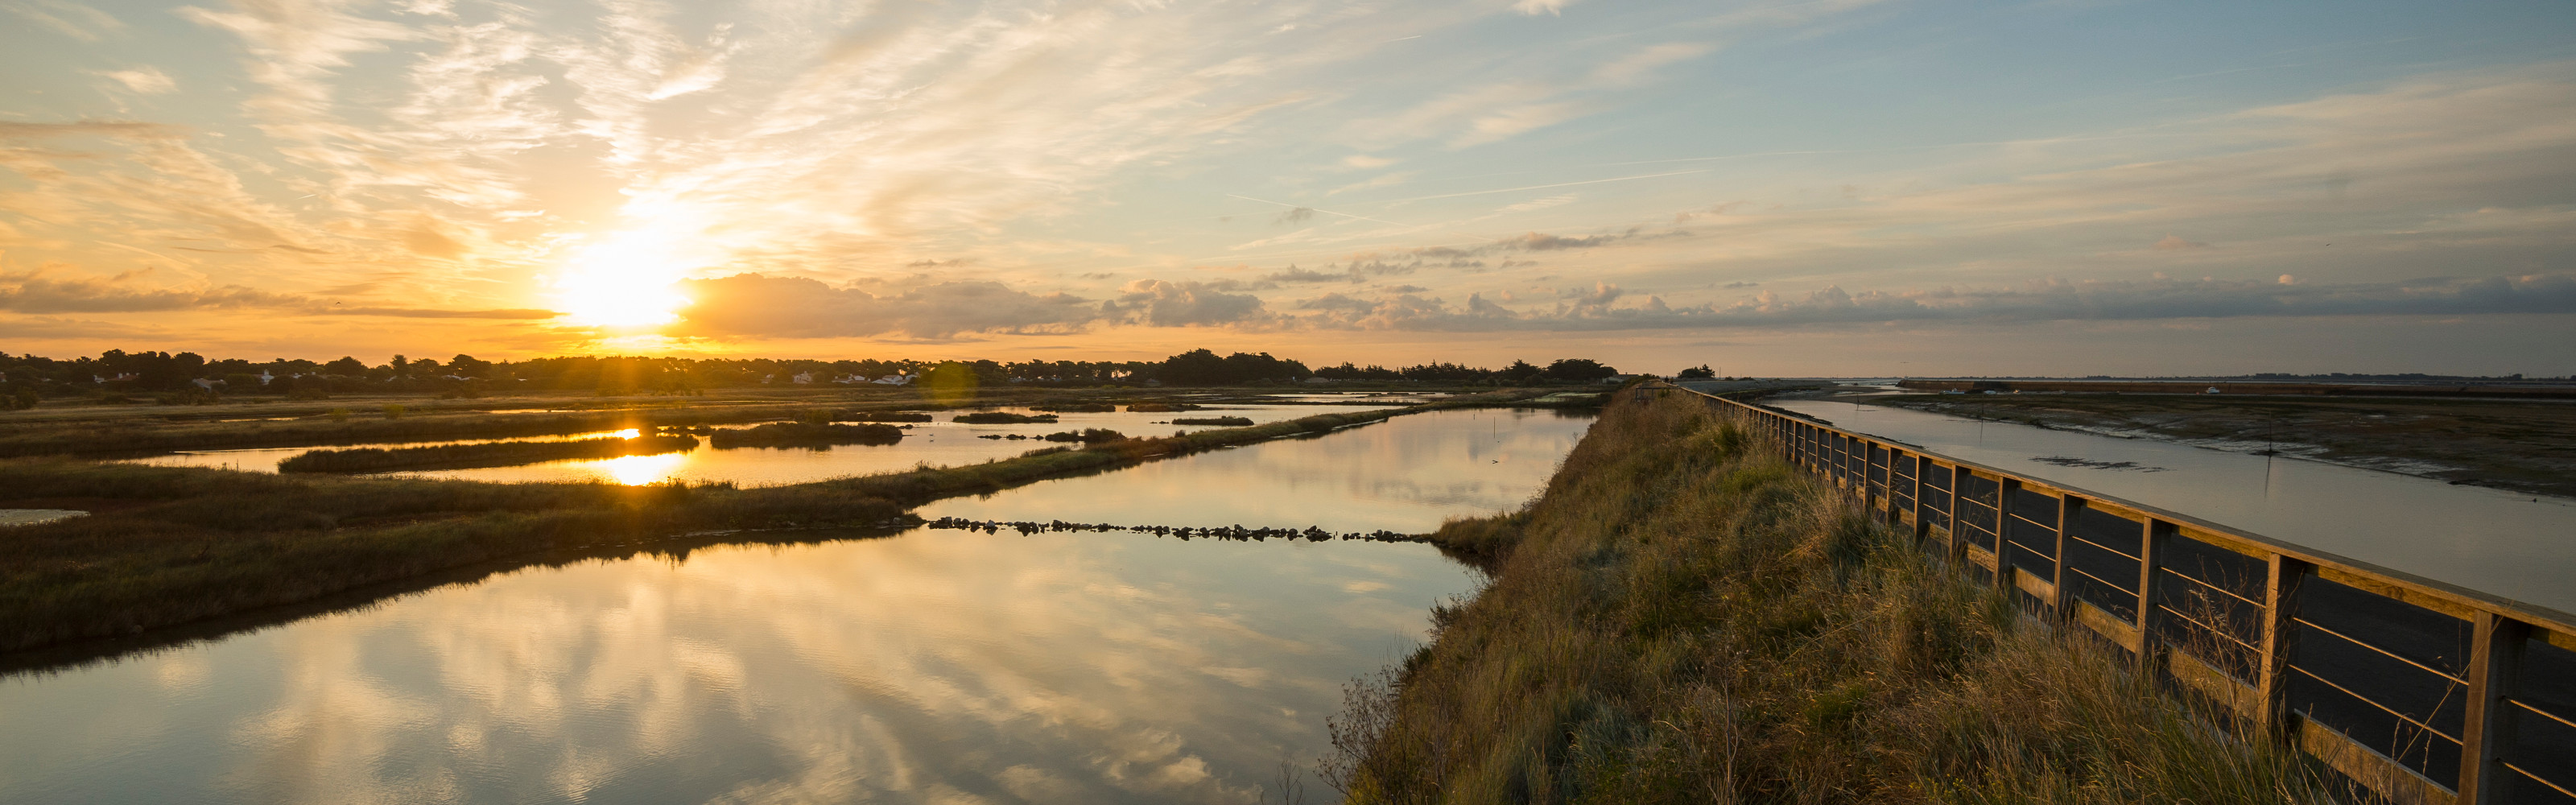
column 2421, row 691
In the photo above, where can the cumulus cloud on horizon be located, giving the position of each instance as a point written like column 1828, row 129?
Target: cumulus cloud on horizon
column 33, row 292
column 749, row 305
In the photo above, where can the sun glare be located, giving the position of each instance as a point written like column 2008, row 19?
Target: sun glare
column 641, row 470
column 624, row 281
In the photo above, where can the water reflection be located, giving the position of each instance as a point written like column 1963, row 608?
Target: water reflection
column 1406, row 474
column 927, row 667
column 2515, row 545
column 941, row 443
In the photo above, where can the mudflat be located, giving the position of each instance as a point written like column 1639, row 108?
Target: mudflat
column 2526, row 446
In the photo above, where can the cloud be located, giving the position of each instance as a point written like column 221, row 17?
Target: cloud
column 70, row 19
column 524, row 314
column 1641, row 66
column 34, row 293
column 749, row 305
column 2176, row 242
column 1160, row 303
column 2048, row 300
column 145, row 80
column 125, row 129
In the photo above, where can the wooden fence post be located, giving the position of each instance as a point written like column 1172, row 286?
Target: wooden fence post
column 2495, row 670
column 2150, row 554
column 2067, row 507
column 2005, row 488
column 2280, row 609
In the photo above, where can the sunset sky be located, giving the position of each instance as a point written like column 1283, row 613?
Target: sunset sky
column 1833, row 187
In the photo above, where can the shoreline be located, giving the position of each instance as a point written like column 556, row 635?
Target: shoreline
column 2459, row 448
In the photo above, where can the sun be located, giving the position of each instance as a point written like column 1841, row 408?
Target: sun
column 624, row 281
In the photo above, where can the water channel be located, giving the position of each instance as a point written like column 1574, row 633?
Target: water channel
column 2516, row 545
column 930, row 666
column 941, row 442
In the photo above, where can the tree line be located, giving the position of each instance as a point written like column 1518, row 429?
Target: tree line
column 24, row 379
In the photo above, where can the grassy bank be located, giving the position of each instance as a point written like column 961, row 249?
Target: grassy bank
column 168, row 545
column 1680, row 619
column 491, row 454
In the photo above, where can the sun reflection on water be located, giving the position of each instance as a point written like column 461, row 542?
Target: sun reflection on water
column 641, row 470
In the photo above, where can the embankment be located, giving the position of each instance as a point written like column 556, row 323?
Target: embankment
column 1680, row 618
column 490, row 454
column 168, row 545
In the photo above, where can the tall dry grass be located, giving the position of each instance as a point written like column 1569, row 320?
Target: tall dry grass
column 1681, row 619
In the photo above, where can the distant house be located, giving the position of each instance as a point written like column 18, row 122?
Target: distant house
column 1614, row 380
column 203, row 383
column 264, row 377
column 802, row 377
column 893, row 380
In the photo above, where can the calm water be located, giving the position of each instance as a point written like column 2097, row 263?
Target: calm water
column 932, row 666
column 940, row 444
column 2518, row 546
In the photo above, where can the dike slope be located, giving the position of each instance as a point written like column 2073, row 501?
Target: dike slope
column 1680, row 618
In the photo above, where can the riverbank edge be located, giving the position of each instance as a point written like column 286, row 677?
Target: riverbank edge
column 2425, row 468
column 174, row 545
column 1681, row 617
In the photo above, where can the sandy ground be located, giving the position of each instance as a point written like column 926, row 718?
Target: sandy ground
column 2527, row 446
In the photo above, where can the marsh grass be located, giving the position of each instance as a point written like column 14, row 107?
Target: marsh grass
column 1682, row 619
column 1002, row 418
column 1226, row 421
column 169, row 545
column 492, row 454
column 805, row 434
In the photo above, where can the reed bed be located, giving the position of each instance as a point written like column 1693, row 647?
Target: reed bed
column 493, row 454
column 805, row 434
column 1002, row 418
column 1085, row 436
column 1680, row 618
column 887, row 416
column 1077, row 408
column 1226, row 421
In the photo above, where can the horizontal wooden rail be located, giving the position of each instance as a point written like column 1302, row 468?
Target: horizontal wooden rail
column 2421, row 691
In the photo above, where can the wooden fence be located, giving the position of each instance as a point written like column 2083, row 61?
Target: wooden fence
column 2421, row 691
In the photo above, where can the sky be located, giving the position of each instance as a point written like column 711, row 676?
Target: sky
column 1839, row 187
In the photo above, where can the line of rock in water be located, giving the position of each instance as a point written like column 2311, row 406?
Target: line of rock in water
column 1232, row 532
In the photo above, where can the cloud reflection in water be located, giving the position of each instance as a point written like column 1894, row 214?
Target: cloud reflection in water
column 930, row 667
